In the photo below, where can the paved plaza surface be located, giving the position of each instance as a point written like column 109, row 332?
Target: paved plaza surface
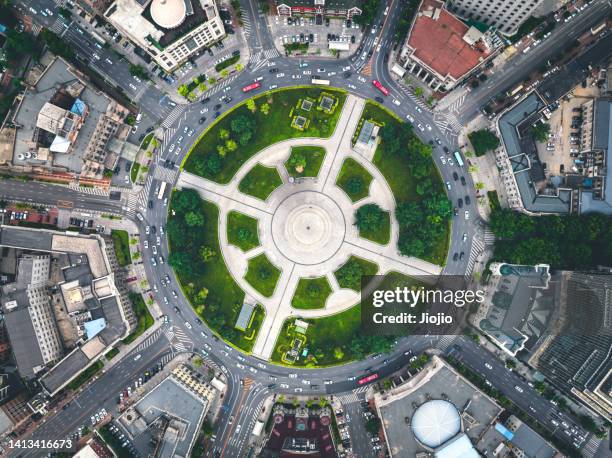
column 306, row 226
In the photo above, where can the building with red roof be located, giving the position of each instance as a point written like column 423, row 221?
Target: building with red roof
column 442, row 50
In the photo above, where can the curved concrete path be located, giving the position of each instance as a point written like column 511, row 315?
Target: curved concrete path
column 306, row 227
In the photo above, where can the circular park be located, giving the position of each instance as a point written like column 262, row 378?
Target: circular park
column 285, row 203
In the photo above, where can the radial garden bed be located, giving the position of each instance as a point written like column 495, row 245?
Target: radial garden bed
column 354, row 180
column 311, row 293
column 349, row 275
column 262, row 275
column 242, row 231
column 305, row 161
column 260, row 181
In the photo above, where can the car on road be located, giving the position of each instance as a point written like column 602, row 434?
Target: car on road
column 427, row 126
column 204, row 110
column 488, row 366
column 217, row 114
column 202, row 120
column 187, row 324
column 280, row 75
column 298, row 390
column 379, row 99
column 293, row 375
column 137, row 357
column 421, row 128
column 443, row 160
column 410, row 118
column 455, row 256
column 463, row 180
column 518, row 388
column 467, row 214
column 273, row 70
column 464, row 236
column 306, row 382
column 455, row 176
column 397, row 102
column 327, row 382
column 154, row 247
column 460, row 202
column 273, row 86
column 468, row 201
column 253, row 370
column 240, row 366
column 284, row 386
column 146, row 244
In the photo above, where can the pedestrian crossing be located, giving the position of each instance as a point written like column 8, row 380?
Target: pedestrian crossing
column 86, row 190
column 179, row 341
column 357, row 395
column 489, row 237
column 166, row 358
column 139, row 199
column 457, row 103
column 445, row 342
column 149, row 340
column 173, row 116
column 589, row 449
column 165, row 174
column 217, row 87
column 477, row 248
column 168, row 134
column 57, row 26
column 246, row 22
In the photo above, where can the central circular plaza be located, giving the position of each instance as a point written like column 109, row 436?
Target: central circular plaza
column 308, row 227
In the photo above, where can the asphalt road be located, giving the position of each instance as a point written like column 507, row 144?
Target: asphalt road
column 242, row 402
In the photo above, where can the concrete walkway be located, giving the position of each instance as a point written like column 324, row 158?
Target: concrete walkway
column 306, row 227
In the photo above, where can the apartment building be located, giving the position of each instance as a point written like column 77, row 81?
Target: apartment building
column 505, row 15
column 170, row 31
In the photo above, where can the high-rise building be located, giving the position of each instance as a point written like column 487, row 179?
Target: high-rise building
column 170, row 31
column 505, row 15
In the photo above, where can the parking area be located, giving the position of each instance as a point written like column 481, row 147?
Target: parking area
column 563, row 147
column 343, row 35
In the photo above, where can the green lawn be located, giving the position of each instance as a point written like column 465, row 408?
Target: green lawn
column 248, row 337
column 260, row 182
column 381, row 236
column 242, row 231
column 349, row 275
column 145, row 320
column 354, row 180
column 313, row 155
column 269, row 129
column 224, row 300
column 134, row 171
column 311, row 293
column 121, row 243
column 339, row 338
column 86, row 375
column 395, row 168
column 262, row 275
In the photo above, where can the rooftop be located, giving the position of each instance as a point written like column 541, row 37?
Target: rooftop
column 442, row 42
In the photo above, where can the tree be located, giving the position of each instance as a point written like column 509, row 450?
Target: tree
column 369, row 217
column 212, row 80
column 207, row 253
column 244, row 235
column 202, row 295
column 183, row 90
column 138, row 71
column 181, row 262
column 221, row 150
column 540, row 131
column 242, row 124
column 350, row 274
column 194, row 219
column 202, row 86
column 354, row 185
column 250, row 104
column 297, row 162
column 197, row 362
column 239, row 67
column 264, row 108
column 224, row 134
column 224, row 73
column 231, row 145
column 418, row 91
column 479, row 185
column 373, row 425
column 483, row 140
column 186, row 200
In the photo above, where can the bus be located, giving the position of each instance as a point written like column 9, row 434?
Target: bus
column 458, row 158
column 162, row 189
column 320, row 81
column 380, row 87
column 515, row 91
column 368, row 379
column 98, row 37
column 251, row 87
column 599, row 28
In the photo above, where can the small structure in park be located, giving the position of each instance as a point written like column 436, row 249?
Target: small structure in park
column 299, row 122
column 327, row 103
column 306, row 104
column 244, row 318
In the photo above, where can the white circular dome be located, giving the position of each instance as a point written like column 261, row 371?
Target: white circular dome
column 435, row 422
column 168, row 13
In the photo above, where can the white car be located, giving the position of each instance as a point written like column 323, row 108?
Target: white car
column 240, row 366
column 306, row 382
column 273, row 86
column 292, row 375
column 346, row 69
column 154, row 249
column 418, row 109
column 137, row 357
column 327, row 382
column 518, row 388
column 362, row 79
column 427, row 126
column 253, row 370
column 467, row 214
column 146, row 244
column 296, row 77
column 488, row 366
column 280, row 75
column 204, row 110
column 298, row 390
column 410, row 118
column 307, row 72
column 448, row 185
column 352, row 86
column 229, row 88
column 443, row 160
column 331, row 74
column 421, row 128
column 284, row 386
column 187, row 324
column 397, row 102
column 172, row 147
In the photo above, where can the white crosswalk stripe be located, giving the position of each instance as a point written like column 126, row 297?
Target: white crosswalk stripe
column 217, row 87
column 57, row 26
column 477, row 248
column 168, row 134
column 166, row 358
column 246, row 22
column 173, row 116
column 590, row 447
column 354, row 396
column 86, row 190
column 457, row 103
column 489, row 237
column 165, row 174
column 445, row 342
column 271, row 53
column 149, row 340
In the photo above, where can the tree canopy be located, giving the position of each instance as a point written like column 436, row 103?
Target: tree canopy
column 483, row 140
